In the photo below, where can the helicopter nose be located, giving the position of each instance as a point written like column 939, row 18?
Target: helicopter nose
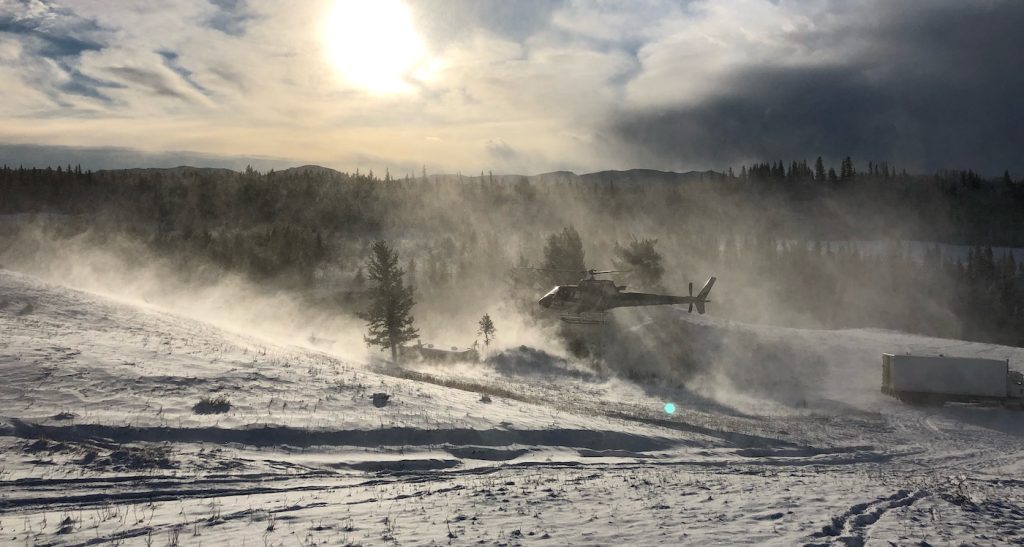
column 546, row 301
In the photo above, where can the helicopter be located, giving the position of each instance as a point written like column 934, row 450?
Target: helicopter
column 592, row 296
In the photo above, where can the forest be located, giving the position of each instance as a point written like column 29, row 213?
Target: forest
column 799, row 244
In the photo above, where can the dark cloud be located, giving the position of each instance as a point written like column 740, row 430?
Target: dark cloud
column 231, row 16
column 937, row 86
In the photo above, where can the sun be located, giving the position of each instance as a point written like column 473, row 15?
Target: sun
column 373, row 44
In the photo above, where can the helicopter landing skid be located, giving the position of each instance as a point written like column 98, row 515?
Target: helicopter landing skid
column 585, row 319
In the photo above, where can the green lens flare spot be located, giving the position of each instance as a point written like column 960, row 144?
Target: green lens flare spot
column 670, row 408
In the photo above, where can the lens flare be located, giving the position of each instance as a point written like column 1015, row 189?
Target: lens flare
column 670, row 408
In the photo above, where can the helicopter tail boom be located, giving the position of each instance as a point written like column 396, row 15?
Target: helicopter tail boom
column 628, row 299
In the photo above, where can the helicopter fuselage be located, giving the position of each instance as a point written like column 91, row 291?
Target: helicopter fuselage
column 587, row 295
column 600, row 295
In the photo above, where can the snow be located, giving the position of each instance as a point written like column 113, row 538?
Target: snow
column 781, row 438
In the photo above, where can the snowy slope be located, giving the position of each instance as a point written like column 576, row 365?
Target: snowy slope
column 780, row 437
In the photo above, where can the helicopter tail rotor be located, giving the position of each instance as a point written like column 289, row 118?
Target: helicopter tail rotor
column 702, row 296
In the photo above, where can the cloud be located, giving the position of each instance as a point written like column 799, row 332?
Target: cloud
column 171, row 62
column 443, row 22
column 50, row 42
column 159, row 83
column 231, row 16
column 53, row 31
column 86, row 86
column 927, row 85
column 560, row 84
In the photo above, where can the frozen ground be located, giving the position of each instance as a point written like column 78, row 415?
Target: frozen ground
column 786, row 440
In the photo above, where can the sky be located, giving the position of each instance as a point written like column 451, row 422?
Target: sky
column 513, row 87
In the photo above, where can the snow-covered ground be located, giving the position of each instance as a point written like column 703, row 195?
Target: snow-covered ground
column 783, row 439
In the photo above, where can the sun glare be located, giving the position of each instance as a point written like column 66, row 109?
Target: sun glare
column 373, row 44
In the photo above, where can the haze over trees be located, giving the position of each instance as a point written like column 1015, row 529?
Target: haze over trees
column 792, row 244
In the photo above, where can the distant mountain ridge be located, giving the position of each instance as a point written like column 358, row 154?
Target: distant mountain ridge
column 181, row 170
column 635, row 176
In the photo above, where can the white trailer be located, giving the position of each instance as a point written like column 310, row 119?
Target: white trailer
column 921, row 379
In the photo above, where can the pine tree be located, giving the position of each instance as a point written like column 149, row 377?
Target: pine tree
column 389, row 317
column 641, row 260
column 487, row 329
column 564, row 256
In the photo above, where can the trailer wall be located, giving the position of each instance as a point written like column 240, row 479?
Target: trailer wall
column 946, row 375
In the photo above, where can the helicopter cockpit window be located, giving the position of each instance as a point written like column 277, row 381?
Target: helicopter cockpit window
column 566, row 292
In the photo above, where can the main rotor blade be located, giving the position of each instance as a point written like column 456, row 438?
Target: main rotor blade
column 548, row 270
column 590, row 272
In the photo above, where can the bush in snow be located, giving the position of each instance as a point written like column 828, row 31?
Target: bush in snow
column 214, row 405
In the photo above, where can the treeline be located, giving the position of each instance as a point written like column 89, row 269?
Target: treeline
column 800, row 171
column 784, row 239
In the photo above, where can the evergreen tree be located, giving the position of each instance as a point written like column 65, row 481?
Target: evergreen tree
column 389, row 317
column 487, row 329
column 642, row 261
column 819, row 170
column 564, row 256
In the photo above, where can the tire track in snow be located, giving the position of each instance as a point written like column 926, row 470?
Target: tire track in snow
column 851, row 528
